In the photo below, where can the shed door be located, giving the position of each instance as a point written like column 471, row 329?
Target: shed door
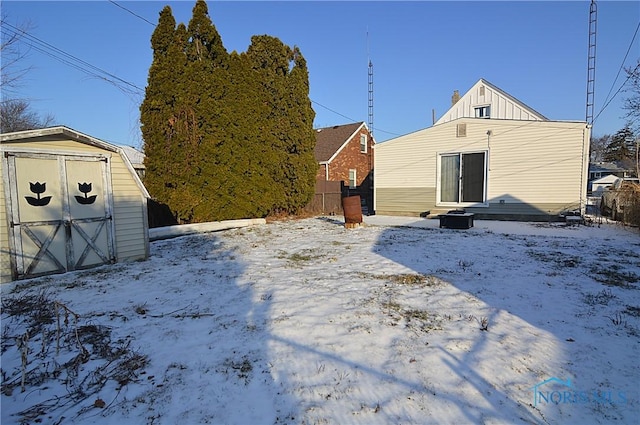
column 60, row 213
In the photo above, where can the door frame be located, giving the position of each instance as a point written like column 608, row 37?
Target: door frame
column 482, row 204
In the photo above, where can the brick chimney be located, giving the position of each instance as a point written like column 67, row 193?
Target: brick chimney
column 455, row 98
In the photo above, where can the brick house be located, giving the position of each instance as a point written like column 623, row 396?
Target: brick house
column 345, row 154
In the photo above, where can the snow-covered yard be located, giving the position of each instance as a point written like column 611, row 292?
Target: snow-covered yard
column 306, row 322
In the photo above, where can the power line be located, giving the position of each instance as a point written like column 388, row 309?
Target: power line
column 349, row 118
column 622, row 64
column 71, row 60
column 618, row 91
column 325, row 107
column 96, row 72
column 133, row 13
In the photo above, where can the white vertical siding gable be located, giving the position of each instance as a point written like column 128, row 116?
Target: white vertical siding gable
column 501, row 104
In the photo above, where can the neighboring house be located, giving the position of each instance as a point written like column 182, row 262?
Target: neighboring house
column 599, row 185
column 601, row 169
column 489, row 154
column 68, row 201
column 345, row 154
column 136, row 158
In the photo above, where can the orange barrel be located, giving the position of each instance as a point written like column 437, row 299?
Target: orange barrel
column 352, row 209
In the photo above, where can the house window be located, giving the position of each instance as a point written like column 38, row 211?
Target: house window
column 363, row 143
column 483, row 111
column 352, row 179
column 462, row 178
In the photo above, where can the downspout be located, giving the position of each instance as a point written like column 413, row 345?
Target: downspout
column 373, row 186
column 489, row 133
column 488, row 181
column 371, row 165
column 585, row 155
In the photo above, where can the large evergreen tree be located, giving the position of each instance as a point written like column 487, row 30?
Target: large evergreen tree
column 226, row 135
column 158, row 108
column 621, row 147
column 173, row 111
column 301, row 137
column 288, row 119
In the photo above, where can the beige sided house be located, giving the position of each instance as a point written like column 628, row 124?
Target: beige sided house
column 491, row 155
column 68, row 201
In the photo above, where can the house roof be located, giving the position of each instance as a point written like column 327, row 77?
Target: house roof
column 605, row 167
column 330, row 140
column 135, row 156
column 54, row 133
column 503, row 105
column 609, row 178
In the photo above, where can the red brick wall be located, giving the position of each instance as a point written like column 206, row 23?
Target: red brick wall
column 321, row 172
column 350, row 157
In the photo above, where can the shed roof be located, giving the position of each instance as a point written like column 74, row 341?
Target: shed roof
column 329, row 140
column 52, row 133
column 135, row 156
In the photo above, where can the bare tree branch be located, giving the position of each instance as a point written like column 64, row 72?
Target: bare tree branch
column 632, row 102
column 16, row 114
column 13, row 54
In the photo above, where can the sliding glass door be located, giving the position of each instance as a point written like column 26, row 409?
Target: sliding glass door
column 462, row 178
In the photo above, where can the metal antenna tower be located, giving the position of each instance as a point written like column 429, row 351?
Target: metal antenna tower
column 370, row 97
column 591, row 63
column 370, row 87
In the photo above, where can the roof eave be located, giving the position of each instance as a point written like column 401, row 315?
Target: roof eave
column 348, row 139
column 79, row 137
column 59, row 130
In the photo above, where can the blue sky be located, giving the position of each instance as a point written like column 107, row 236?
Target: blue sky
column 421, row 52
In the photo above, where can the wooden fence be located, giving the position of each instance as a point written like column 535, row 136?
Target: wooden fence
column 327, row 198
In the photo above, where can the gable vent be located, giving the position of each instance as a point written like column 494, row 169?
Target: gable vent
column 481, row 90
column 461, row 130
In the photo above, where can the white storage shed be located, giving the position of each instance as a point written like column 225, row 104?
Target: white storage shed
column 68, row 201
